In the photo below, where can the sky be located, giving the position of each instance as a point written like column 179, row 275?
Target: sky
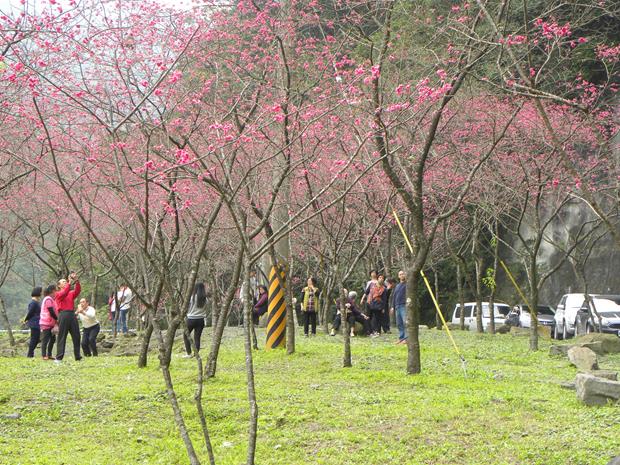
column 5, row 5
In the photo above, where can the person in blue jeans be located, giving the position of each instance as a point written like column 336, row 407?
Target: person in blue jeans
column 123, row 299
column 400, row 307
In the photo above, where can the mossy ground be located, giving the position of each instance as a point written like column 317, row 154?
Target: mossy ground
column 509, row 410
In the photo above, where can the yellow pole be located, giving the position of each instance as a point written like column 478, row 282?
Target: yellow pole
column 430, row 291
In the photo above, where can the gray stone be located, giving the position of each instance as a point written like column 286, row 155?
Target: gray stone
column 543, row 331
column 8, row 352
column 503, row 329
column 607, row 374
column 592, row 390
column 107, row 344
column 596, row 347
column 568, row 385
column 12, row 416
column 610, row 342
column 614, row 461
column 583, row 358
column 453, row 326
column 559, row 349
column 516, row 331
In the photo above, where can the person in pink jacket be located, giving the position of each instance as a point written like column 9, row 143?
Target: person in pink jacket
column 47, row 321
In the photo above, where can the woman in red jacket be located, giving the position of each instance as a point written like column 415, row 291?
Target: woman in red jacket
column 67, row 321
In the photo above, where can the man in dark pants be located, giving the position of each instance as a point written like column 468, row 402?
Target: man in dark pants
column 32, row 320
column 67, row 321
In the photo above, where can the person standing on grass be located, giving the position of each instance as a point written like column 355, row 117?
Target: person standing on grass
column 369, row 285
column 391, row 284
column 124, row 297
column 48, row 322
column 195, row 320
column 260, row 308
column 68, row 291
column 32, row 320
column 400, row 307
column 112, row 310
column 90, row 327
column 310, row 305
column 377, row 305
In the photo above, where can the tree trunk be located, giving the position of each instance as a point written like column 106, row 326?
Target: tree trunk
column 249, row 367
column 389, row 259
column 218, row 331
column 93, row 297
column 6, row 323
column 534, row 318
column 146, row 340
column 327, row 291
column 346, row 330
column 198, row 402
column 479, row 324
column 459, row 283
column 438, row 321
column 290, row 311
column 172, row 397
column 414, row 365
column 492, row 284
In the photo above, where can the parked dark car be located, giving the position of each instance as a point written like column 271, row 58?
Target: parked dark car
column 607, row 307
column 544, row 313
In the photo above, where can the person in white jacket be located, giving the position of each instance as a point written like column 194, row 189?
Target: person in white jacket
column 91, row 327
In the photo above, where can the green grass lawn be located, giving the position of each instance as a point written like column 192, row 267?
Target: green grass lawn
column 510, row 409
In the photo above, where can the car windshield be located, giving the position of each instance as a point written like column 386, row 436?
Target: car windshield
column 545, row 310
column 542, row 310
column 500, row 310
column 607, row 304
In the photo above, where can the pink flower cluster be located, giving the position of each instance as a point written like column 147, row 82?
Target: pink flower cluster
column 551, row 29
column 607, row 53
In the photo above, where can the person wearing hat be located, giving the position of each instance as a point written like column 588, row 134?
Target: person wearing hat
column 32, row 320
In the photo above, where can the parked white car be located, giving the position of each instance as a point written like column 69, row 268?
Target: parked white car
column 566, row 315
column 500, row 313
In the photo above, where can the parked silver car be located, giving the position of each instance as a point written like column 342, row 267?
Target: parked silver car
column 544, row 313
column 608, row 308
column 500, row 313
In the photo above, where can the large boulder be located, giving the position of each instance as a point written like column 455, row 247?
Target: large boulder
column 614, row 461
column 593, row 390
column 610, row 343
column 583, row 358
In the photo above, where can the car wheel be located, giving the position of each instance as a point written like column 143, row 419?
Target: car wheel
column 556, row 332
